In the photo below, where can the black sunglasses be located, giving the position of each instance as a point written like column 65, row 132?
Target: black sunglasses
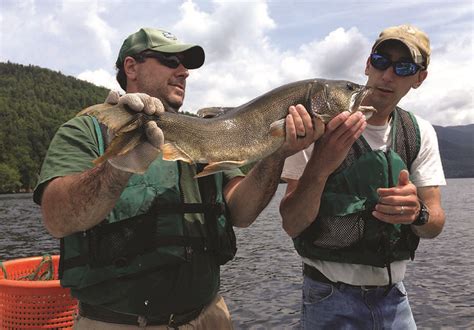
column 171, row 61
column 401, row 68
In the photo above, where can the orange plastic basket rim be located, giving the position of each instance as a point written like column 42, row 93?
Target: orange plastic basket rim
column 38, row 284
column 29, row 284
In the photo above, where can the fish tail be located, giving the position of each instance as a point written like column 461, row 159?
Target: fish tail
column 121, row 145
column 117, row 117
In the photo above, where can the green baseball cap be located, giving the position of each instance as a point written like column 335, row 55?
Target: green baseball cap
column 160, row 41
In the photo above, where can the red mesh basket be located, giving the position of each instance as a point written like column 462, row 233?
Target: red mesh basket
column 26, row 304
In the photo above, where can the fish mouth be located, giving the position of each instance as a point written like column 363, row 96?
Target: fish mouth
column 357, row 99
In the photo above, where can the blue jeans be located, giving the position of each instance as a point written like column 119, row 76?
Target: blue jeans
column 348, row 307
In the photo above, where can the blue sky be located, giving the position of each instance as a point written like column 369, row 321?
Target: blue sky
column 251, row 46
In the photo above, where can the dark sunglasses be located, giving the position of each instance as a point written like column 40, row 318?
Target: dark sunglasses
column 171, row 61
column 401, row 68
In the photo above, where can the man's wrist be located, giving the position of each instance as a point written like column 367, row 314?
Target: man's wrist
column 423, row 216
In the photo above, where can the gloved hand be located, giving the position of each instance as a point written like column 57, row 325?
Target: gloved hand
column 138, row 159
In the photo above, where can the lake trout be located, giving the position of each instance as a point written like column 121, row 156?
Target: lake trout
column 234, row 136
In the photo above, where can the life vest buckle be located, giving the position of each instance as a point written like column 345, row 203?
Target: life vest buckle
column 121, row 261
column 141, row 321
column 171, row 321
column 188, row 253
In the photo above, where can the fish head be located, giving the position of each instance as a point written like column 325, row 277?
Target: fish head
column 331, row 97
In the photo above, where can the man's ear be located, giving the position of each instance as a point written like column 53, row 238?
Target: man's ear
column 421, row 77
column 367, row 64
column 129, row 67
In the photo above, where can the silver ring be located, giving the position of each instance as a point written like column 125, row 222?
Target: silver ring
column 300, row 136
column 401, row 211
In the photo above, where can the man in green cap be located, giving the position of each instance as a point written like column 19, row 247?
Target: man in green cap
column 358, row 201
column 145, row 249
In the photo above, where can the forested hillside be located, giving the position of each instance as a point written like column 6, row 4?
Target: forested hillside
column 33, row 103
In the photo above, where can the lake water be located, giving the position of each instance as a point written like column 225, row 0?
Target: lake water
column 262, row 285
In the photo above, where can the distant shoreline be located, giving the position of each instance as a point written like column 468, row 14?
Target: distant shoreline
column 24, row 195
column 30, row 194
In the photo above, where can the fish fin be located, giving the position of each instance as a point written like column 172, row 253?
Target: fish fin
column 116, row 117
column 319, row 127
column 212, row 168
column 212, row 111
column 172, row 152
column 121, row 145
column 277, row 128
column 325, row 118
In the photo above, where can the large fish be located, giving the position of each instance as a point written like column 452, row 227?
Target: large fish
column 235, row 136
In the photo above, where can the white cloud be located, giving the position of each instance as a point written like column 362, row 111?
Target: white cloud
column 340, row 55
column 56, row 34
column 251, row 46
column 100, row 77
column 254, row 69
column 447, row 95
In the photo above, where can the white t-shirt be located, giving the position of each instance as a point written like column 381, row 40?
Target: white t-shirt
column 426, row 170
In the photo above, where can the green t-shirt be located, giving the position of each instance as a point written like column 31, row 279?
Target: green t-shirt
column 71, row 150
column 161, row 292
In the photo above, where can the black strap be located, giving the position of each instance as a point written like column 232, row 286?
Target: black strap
column 102, row 314
column 188, row 208
column 194, row 243
column 314, row 274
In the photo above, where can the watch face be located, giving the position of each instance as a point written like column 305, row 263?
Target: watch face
column 422, row 217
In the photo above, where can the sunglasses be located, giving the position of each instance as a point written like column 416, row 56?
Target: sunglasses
column 401, row 68
column 171, row 61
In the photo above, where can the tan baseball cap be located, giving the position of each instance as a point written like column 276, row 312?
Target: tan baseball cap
column 416, row 41
column 160, row 41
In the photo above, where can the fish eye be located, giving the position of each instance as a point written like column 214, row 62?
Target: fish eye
column 350, row 86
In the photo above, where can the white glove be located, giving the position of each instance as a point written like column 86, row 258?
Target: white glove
column 139, row 158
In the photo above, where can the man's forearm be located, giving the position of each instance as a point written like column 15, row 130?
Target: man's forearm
column 431, row 196
column 300, row 206
column 78, row 202
column 254, row 192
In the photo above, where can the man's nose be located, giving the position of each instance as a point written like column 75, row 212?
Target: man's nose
column 181, row 71
column 389, row 74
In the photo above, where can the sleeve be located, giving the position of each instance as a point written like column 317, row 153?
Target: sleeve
column 230, row 174
column 295, row 164
column 427, row 169
column 71, row 150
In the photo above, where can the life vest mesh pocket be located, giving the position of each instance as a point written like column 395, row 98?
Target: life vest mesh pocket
column 115, row 244
column 333, row 232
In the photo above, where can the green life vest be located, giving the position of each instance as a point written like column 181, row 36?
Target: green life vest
column 345, row 230
column 162, row 219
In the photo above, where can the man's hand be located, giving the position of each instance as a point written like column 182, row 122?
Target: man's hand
column 331, row 149
column 301, row 130
column 138, row 159
column 398, row 204
column 137, row 102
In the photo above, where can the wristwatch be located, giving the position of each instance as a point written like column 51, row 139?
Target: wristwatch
column 423, row 216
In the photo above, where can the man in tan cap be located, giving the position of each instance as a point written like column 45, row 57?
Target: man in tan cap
column 145, row 249
column 357, row 203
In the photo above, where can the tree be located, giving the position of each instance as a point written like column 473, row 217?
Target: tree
column 9, row 179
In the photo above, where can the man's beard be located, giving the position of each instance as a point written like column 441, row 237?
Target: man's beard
column 171, row 106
